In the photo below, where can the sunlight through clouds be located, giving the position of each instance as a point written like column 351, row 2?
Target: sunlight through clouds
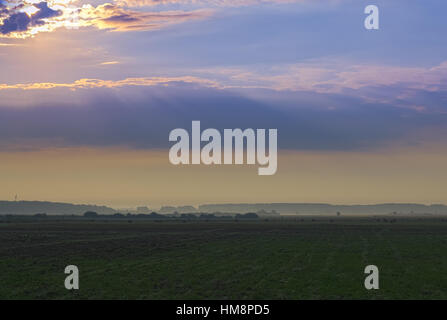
column 27, row 18
column 30, row 17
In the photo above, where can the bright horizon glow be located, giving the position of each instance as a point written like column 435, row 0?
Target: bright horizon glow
column 123, row 178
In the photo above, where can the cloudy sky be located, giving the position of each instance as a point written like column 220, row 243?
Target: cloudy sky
column 89, row 91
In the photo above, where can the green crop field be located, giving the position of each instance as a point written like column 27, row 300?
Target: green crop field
column 295, row 258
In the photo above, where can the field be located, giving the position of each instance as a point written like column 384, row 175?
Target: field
column 295, row 258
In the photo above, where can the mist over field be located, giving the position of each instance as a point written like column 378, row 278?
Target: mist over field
column 273, row 209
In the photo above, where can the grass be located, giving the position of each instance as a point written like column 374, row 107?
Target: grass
column 225, row 260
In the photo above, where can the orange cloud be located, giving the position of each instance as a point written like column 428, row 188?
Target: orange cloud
column 113, row 17
column 107, row 63
column 97, row 83
column 317, row 77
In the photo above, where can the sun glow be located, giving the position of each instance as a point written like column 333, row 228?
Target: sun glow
column 30, row 10
column 67, row 17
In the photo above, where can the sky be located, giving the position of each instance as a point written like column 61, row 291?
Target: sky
column 89, row 91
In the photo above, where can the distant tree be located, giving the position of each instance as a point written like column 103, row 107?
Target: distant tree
column 249, row 215
column 90, row 214
column 155, row 215
column 207, row 216
column 188, row 216
column 40, row 215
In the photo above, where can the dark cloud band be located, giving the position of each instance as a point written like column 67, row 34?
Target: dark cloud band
column 142, row 117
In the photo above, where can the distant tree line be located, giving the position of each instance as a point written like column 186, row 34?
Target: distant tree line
column 183, row 216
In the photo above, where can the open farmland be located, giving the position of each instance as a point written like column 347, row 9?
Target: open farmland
column 293, row 258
